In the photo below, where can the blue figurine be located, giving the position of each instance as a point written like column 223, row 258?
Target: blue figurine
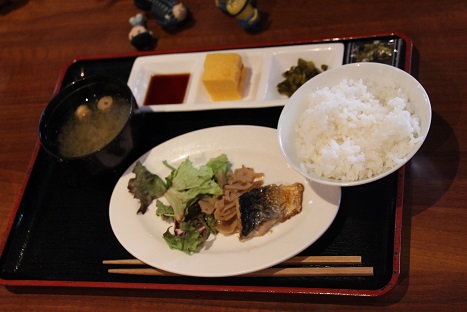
column 245, row 11
column 170, row 14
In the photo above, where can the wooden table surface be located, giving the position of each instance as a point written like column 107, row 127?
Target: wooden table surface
column 38, row 38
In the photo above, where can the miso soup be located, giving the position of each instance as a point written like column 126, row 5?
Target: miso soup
column 92, row 126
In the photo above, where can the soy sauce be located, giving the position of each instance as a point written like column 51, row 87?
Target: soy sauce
column 167, row 89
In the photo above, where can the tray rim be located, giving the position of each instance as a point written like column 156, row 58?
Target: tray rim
column 222, row 288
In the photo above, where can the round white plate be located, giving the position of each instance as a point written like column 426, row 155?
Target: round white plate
column 252, row 146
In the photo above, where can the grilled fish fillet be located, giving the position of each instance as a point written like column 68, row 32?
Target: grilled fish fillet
column 262, row 208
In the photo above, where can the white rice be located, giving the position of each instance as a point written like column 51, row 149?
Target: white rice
column 353, row 130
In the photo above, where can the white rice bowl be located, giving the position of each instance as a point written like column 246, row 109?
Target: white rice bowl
column 354, row 124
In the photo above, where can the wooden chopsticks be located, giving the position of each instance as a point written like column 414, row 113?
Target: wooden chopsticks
column 327, row 266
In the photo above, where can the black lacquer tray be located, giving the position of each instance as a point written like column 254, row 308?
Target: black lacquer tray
column 59, row 232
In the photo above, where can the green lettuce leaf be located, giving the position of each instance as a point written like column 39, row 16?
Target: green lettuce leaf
column 219, row 164
column 192, row 232
column 187, row 184
column 164, row 211
column 188, row 243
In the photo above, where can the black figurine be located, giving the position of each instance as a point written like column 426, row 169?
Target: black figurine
column 140, row 37
column 170, row 14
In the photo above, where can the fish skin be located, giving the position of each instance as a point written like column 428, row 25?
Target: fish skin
column 261, row 208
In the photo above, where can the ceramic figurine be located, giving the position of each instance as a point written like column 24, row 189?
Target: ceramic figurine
column 140, row 37
column 245, row 11
column 170, row 14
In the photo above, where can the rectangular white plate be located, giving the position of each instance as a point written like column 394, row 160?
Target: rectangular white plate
column 265, row 67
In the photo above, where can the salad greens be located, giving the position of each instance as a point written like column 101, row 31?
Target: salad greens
column 192, row 232
column 182, row 190
column 187, row 184
column 146, row 186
